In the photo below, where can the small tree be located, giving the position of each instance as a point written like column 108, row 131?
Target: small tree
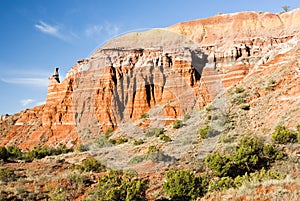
column 14, row 152
column 220, row 165
column 285, row 8
column 283, row 135
column 183, row 185
column 177, row 124
column 91, row 164
column 119, row 187
column 251, row 155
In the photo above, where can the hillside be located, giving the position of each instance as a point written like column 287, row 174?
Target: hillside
column 137, row 104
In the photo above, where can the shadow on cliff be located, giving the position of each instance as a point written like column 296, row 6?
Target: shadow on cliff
column 199, row 60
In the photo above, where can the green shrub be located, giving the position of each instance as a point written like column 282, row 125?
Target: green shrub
column 7, row 175
column 144, row 116
column 137, row 159
column 239, row 90
column 165, row 138
column 283, row 135
column 245, row 107
column 154, row 131
column 239, row 99
column 177, row 124
column 91, row 165
column 73, row 187
column 102, row 141
column 14, row 152
column 28, row 156
column 220, row 165
column 209, row 108
column 38, row 152
column 153, row 154
column 183, row 185
column 82, row 148
column 272, row 153
column 221, row 184
column 250, row 155
column 138, row 142
column 120, row 187
column 271, row 85
column 57, row 193
column 41, row 152
column 159, row 156
column 122, row 140
column 186, row 117
column 61, row 149
column 152, row 149
column 203, row 132
column 259, row 176
column 227, row 137
column 119, row 140
column 3, row 153
column 264, row 174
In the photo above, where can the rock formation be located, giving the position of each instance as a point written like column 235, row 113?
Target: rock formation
column 164, row 72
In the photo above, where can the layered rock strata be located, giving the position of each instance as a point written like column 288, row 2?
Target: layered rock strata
column 167, row 71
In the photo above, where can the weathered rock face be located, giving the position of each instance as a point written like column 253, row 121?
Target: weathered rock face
column 163, row 72
column 131, row 79
column 237, row 42
column 273, row 94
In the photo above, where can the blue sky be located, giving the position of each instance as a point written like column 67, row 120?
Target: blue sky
column 38, row 35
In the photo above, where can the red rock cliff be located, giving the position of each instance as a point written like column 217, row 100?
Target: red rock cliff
column 164, row 72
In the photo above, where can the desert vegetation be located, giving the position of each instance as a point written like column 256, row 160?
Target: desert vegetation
column 13, row 153
column 117, row 185
column 284, row 135
column 177, row 124
column 250, row 159
column 245, row 159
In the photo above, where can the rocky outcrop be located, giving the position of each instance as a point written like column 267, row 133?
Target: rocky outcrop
column 129, row 82
column 237, row 42
column 273, row 93
column 164, row 72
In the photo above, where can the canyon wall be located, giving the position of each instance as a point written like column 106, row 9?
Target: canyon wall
column 163, row 72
